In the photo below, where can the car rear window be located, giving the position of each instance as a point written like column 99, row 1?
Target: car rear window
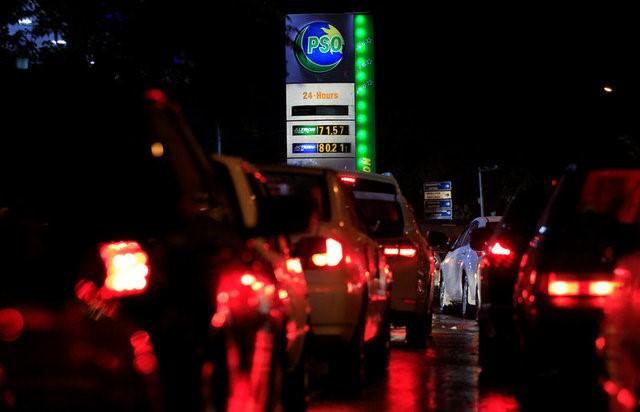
column 301, row 184
column 594, row 218
column 378, row 207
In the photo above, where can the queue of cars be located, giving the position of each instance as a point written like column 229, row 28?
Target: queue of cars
column 141, row 274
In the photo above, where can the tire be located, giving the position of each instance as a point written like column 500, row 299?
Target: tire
column 486, row 347
column 417, row 332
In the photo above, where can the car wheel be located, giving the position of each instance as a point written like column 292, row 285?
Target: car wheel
column 417, row 332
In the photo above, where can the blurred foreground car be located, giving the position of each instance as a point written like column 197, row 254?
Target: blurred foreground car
column 253, row 196
column 123, row 262
column 620, row 338
column 459, row 269
column 349, row 281
column 498, row 271
column 390, row 220
column 566, row 272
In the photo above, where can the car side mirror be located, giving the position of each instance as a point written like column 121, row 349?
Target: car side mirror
column 284, row 215
column 479, row 238
column 437, row 239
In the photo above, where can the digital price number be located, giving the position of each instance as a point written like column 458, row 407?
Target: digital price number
column 322, row 148
column 323, row 130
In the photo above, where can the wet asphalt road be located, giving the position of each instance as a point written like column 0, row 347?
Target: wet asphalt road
column 446, row 376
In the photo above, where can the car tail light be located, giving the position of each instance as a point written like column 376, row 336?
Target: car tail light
column 331, row 256
column 348, row 179
column 127, row 268
column 498, row 250
column 408, row 251
column 500, row 255
column 245, row 295
column 11, row 324
column 567, row 285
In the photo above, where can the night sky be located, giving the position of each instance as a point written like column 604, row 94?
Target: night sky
column 458, row 86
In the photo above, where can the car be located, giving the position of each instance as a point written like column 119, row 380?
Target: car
column 127, row 282
column 349, row 280
column 459, row 269
column 565, row 275
column 390, row 220
column 498, row 271
column 619, row 341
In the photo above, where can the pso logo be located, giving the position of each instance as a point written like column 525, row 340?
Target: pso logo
column 319, row 47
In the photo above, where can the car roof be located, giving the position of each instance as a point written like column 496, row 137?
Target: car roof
column 282, row 168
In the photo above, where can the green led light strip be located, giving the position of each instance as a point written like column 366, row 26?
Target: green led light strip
column 365, row 94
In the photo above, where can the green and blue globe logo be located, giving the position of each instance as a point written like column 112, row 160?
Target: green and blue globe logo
column 319, row 47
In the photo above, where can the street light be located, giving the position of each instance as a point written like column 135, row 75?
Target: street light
column 480, row 170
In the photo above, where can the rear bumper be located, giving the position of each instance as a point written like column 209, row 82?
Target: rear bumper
column 336, row 299
column 409, row 289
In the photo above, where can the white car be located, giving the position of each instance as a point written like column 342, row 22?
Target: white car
column 459, row 269
column 390, row 220
column 349, row 280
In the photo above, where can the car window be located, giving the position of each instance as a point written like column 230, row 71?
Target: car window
column 466, row 238
column 593, row 218
column 378, row 206
column 301, row 184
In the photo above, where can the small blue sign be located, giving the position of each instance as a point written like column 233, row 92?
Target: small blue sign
column 438, row 204
column 445, row 214
column 305, row 148
column 437, row 186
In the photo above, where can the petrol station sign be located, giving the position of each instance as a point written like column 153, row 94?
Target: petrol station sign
column 330, row 91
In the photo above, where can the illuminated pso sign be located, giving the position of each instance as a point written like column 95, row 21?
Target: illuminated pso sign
column 319, row 47
column 330, row 91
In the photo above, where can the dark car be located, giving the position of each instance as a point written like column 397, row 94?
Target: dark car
column 565, row 275
column 124, row 271
column 498, row 270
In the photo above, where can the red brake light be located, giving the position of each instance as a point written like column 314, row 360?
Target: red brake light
column 408, row 251
column 400, row 250
column 127, row 268
column 601, row 288
column 11, row 324
column 391, row 251
column 331, row 257
column 563, row 288
column 348, row 179
column 500, row 250
column 560, row 286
